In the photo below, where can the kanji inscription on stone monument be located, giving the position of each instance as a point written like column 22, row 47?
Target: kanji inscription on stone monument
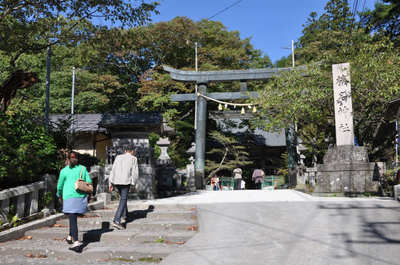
column 343, row 104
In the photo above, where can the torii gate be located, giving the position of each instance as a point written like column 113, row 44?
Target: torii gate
column 202, row 78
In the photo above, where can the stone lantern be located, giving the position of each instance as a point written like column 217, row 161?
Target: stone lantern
column 164, row 158
column 190, row 168
column 191, row 151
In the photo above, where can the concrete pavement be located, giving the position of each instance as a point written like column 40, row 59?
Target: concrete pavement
column 288, row 227
column 235, row 227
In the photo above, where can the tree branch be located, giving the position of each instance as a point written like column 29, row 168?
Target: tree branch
column 212, row 173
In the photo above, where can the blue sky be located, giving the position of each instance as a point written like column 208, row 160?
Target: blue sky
column 271, row 25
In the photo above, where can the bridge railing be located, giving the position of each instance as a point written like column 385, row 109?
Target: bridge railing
column 27, row 200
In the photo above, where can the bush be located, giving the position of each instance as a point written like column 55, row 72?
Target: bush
column 27, row 151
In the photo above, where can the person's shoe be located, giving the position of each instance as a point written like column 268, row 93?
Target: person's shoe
column 117, row 225
column 69, row 239
column 76, row 246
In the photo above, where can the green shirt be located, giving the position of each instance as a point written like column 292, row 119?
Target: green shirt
column 67, row 179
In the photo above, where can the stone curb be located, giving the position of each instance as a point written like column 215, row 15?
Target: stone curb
column 19, row 231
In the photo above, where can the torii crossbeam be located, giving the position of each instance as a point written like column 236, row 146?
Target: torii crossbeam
column 202, row 78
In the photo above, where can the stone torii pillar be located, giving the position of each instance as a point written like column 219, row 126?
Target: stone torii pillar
column 202, row 78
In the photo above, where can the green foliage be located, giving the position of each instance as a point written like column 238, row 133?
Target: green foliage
column 384, row 19
column 47, row 199
column 283, row 169
column 308, row 101
column 28, row 151
column 160, row 240
column 14, row 220
column 227, row 154
column 153, row 138
column 30, row 27
column 172, row 43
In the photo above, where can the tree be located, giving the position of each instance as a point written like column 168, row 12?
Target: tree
column 30, row 27
column 27, row 150
column 93, row 91
column 229, row 154
column 308, row 101
column 172, row 43
column 384, row 19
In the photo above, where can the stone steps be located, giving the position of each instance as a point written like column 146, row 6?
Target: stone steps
column 140, row 224
column 88, row 256
column 120, row 236
column 150, row 235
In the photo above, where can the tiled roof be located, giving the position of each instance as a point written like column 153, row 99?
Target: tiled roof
column 99, row 122
column 137, row 118
column 261, row 137
column 79, row 122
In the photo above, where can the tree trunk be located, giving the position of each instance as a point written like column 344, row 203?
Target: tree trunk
column 17, row 80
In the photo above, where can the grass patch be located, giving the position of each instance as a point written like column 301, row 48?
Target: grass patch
column 150, row 259
column 160, row 240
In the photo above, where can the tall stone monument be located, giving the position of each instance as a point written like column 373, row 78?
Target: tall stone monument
column 343, row 104
column 346, row 168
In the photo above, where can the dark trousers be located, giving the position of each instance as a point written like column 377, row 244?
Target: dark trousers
column 258, row 186
column 123, row 202
column 238, row 184
column 73, row 225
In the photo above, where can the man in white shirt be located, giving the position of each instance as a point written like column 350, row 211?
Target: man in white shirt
column 124, row 173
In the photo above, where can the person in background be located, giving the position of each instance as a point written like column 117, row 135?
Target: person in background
column 258, row 177
column 242, row 184
column 124, row 173
column 237, row 176
column 215, row 182
column 73, row 202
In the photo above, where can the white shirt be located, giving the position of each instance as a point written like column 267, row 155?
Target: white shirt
column 124, row 170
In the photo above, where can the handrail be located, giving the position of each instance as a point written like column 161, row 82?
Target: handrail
column 21, row 190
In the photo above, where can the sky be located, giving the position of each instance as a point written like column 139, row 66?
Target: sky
column 271, row 25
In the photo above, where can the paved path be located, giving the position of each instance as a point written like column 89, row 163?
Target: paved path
column 288, row 227
column 235, row 227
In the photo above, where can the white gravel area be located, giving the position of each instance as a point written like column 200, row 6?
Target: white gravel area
column 242, row 196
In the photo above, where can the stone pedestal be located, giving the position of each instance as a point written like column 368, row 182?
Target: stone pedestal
column 346, row 168
column 396, row 189
column 105, row 197
column 166, row 184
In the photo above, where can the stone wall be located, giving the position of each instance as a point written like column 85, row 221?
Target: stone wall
column 346, row 168
column 144, row 186
column 306, row 175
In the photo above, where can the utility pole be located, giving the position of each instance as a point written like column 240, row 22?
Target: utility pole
column 292, row 53
column 73, row 91
column 47, row 106
column 397, row 145
column 292, row 48
column 72, row 106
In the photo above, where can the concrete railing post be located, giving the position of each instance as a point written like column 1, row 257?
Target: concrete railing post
column 50, row 186
column 34, row 202
column 21, row 206
column 5, row 206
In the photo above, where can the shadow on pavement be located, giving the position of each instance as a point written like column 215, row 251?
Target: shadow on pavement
column 138, row 214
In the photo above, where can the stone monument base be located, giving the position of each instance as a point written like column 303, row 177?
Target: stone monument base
column 346, row 169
